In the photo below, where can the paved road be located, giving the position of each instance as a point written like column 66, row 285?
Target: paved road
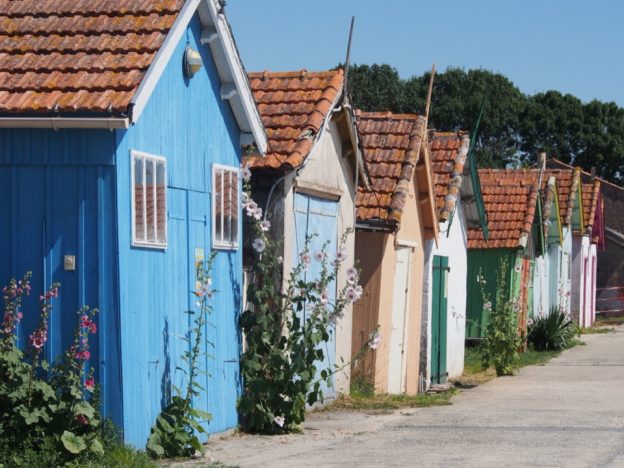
column 569, row 412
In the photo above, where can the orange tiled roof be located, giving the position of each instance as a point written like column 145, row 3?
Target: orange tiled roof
column 293, row 107
column 591, row 192
column 510, row 198
column 447, row 164
column 391, row 146
column 80, row 55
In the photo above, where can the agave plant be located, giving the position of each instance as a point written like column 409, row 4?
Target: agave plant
column 551, row 332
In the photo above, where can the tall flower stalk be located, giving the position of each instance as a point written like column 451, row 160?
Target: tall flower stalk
column 286, row 323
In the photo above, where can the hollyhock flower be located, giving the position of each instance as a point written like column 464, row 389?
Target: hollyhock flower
column 246, row 173
column 324, row 297
column 517, row 268
column 516, row 306
column 257, row 214
column 259, row 245
column 319, row 256
column 487, row 306
column 265, row 225
column 37, row 340
column 529, row 322
column 82, row 419
column 244, row 199
column 93, row 328
column 85, row 322
column 90, row 384
column 305, row 258
column 280, row 259
column 341, row 255
column 279, row 420
column 374, row 339
column 352, row 294
column 19, row 316
column 251, row 208
column 352, row 275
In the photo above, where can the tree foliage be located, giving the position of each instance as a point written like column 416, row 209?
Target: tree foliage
column 515, row 127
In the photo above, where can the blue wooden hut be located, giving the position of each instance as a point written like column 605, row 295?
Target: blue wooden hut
column 121, row 125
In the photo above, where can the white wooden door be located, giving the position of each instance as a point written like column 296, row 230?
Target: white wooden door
column 398, row 334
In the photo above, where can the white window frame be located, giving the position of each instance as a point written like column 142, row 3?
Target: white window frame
column 220, row 244
column 144, row 242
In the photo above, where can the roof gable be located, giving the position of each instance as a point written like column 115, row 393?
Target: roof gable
column 294, row 107
column 448, row 152
column 510, row 198
column 95, row 64
column 395, row 151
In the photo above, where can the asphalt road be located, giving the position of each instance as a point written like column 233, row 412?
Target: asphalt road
column 569, row 412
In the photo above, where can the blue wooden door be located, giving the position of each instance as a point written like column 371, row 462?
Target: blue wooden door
column 316, row 219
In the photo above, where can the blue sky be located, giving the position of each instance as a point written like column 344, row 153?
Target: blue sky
column 572, row 46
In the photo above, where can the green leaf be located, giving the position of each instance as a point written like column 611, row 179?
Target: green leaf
column 96, row 447
column 154, row 445
column 202, row 414
column 85, row 409
column 73, row 443
column 163, row 425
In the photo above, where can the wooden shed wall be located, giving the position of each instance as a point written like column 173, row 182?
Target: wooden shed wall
column 369, row 250
column 186, row 122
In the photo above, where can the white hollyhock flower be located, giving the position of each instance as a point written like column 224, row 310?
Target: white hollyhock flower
column 259, row 245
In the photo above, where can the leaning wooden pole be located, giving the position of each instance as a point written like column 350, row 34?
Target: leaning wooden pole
column 428, row 104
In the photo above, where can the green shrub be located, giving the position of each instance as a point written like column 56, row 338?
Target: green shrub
column 45, row 408
column 551, row 332
column 501, row 342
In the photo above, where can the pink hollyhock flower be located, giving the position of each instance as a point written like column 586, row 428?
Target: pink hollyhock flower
column 85, row 322
column 259, row 245
column 90, row 384
column 324, row 298
column 37, row 340
column 82, row 419
column 374, row 340
column 246, row 173
column 319, row 256
column 93, row 328
column 265, row 225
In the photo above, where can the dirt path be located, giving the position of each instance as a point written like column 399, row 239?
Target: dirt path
column 569, row 412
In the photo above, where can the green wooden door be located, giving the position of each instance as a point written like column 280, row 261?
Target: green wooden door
column 438, row 319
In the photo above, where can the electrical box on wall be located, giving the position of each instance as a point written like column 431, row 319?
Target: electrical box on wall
column 69, row 263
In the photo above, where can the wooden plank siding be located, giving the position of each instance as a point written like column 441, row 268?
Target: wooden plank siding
column 187, row 123
column 369, row 250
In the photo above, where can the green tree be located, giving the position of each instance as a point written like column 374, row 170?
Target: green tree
column 514, row 128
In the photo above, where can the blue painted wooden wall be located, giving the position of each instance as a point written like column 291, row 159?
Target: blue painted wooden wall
column 58, row 199
column 186, row 122
column 68, row 192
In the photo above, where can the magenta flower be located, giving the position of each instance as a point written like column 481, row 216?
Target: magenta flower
column 37, row 340
column 90, row 384
column 93, row 328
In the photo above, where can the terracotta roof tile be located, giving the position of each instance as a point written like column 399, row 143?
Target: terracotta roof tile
column 79, row 55
column 391, row 146
column 510, row 198
column 293, row 107
column 447, row 164
column 591, row 193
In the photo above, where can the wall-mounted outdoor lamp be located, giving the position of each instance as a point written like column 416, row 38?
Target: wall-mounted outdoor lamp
column 192, row 61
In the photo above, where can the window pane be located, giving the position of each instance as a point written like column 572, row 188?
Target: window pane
column 139, row 200
column 227, row 195
column 218, row 208
column 161, row 203
column 150, row 200
column 233, row 215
